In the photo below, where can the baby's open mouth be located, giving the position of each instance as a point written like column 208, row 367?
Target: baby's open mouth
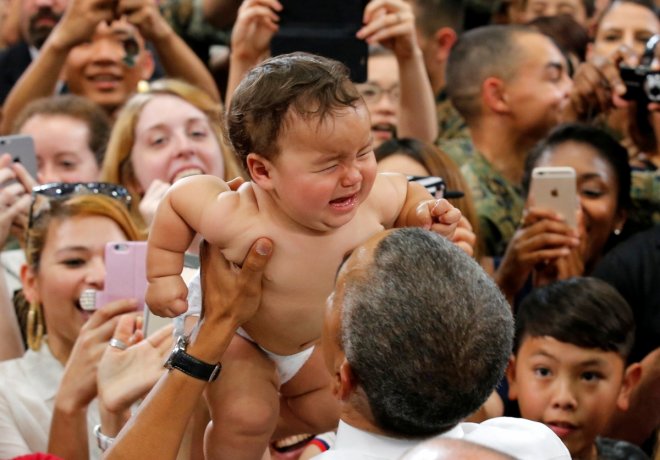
column 345, row 201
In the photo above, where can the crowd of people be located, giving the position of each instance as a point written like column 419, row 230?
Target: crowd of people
column 341, row 309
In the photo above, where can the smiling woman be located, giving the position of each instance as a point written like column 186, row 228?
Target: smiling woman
column 544, row 246
column 170, row 131
column 65, row 256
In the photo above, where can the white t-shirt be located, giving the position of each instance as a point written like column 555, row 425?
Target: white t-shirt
column 27, row 395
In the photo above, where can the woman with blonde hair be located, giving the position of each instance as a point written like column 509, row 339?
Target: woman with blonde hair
column 166, row 132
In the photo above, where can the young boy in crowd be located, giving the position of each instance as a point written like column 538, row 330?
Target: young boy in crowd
column 304, row 134
column 569, row 366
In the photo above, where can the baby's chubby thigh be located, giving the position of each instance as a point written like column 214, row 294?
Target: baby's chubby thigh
column 307, row 402
column 243, row 403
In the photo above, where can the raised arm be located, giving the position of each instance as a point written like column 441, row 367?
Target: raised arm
column 255, row 26
column 392, row 23
column 179, row 61
column 229, row 299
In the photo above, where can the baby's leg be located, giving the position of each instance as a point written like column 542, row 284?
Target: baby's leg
column 307, row 403
column 244, row 404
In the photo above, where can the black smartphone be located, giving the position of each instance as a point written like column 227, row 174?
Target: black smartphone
column 326, row 28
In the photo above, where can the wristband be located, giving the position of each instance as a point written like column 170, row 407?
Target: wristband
column 103, row 441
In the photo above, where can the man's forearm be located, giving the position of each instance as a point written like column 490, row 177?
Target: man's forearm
column 156, row 431
column 417, row 117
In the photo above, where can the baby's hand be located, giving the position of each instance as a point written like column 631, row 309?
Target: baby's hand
column 167, row 296
column 439, row 216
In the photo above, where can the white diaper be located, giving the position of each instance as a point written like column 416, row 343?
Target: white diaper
column 287, row 366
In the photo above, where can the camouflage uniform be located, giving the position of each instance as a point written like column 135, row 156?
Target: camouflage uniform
column 450, row 123
column 498, row 202
column 645, row 194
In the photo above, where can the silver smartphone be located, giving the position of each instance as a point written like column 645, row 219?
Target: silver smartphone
column 21, row 149
column 555, row 188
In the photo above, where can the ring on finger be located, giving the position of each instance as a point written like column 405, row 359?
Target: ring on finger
column 398, row 18
column 119, row 344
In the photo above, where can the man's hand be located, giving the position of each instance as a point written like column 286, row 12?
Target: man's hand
column 256, row 23
column 145, row 15
column 392, row 24
column 80, row 21
column 228, row 291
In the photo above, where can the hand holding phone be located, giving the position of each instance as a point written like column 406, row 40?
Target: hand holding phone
column 554, row 188
column 21, row 149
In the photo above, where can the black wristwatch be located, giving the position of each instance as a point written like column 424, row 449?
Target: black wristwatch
column 190, row 365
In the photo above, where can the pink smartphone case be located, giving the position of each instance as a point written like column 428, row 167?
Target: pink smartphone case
column 126, row 272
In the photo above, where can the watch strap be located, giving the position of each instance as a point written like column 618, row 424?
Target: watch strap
column 190, row 365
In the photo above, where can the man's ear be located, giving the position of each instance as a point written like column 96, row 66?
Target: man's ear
column 30, row 284
column 511, row 378
column 444, row 38
column 261, row 170
column 494, row 95
column 147, row 63
column 631, row 378
column 347, row 381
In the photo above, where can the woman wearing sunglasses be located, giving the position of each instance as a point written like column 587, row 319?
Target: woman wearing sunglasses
column 57, row 376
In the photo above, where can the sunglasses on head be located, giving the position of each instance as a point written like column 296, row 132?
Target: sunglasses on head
column 63, row 190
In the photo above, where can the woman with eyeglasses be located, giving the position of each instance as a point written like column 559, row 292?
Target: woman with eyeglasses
column 56, row 379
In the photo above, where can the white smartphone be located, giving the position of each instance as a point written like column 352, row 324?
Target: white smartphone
column 554, row 187
column 21, row 149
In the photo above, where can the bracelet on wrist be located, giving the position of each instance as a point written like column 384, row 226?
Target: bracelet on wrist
column 102, row 441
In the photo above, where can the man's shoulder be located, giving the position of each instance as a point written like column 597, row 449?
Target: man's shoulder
column 521, row 438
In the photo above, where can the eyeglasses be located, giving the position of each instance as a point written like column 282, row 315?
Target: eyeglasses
column 373, row 93
column 62, row 190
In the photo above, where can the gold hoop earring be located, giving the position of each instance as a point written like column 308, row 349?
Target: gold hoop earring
column 35, row 326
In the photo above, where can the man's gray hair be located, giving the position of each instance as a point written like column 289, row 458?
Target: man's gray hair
column 426, row 332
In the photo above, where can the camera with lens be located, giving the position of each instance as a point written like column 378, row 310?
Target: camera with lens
column 642, row 83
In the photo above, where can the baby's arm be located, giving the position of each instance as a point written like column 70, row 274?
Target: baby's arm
column 190, row 206
column 420, row 209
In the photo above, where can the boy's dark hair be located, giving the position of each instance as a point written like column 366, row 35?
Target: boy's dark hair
column 313, row 86
column 607, row 147
column 585, row 312
column 489, row 51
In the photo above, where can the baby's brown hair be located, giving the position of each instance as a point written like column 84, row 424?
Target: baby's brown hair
column 314, row 86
